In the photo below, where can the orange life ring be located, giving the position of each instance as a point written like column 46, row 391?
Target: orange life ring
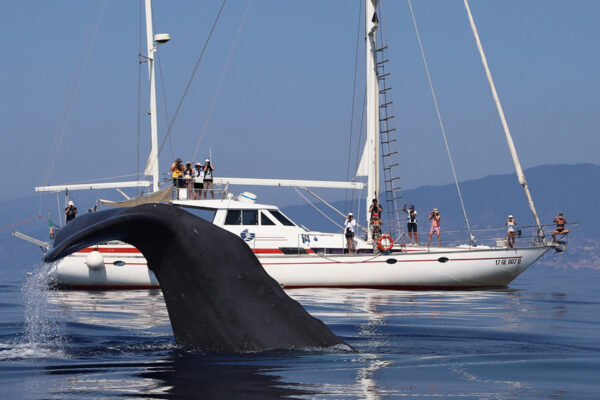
column 385, row 239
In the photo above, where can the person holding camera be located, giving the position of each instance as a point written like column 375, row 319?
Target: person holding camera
column 435, row 226
column 411, row 225
column 208, row 178
column 560, row 222
column 70, row 211
column 176, row 174
column 349, row 229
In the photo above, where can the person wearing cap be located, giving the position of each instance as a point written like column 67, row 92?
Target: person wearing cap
column 435, row 226
column 349, row 229
column 176, row 174
column 411, row 224
column 70, row 211
column 510, row 234
column 208, row 178
column 198, row 181
column 560, row 222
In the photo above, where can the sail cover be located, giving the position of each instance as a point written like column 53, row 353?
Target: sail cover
column 162, row 196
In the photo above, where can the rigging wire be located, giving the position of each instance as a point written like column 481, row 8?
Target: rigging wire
column 189, row 83
column 317, row 208
column 439, row 116
column 360, row 135
column 214, row 101
column 353, row 102
column 164, row 96
column 139, row 97
column 75, row 96
column 509, row 139
column 163, row 91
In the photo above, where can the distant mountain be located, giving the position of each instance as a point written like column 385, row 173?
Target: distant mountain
column 571, row 189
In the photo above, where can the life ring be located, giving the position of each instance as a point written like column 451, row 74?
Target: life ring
column 385, row 243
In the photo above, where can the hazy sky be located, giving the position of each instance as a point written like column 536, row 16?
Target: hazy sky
column 284, row 109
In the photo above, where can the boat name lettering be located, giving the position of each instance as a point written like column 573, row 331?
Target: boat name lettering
column 508, row 261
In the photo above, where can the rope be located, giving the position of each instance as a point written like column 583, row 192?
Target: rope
column 22, row 222
column 317, row 208
column 139, row 96
column 212, row 106
column 353, row 103
column 189, row 83
column 332, row 207
column 509, row 140
column 439, row 116
column 75, row 96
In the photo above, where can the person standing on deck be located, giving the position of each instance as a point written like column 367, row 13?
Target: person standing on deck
column 198, row 181
column 411, row 224
column 349, row 229
column 375, row 211
column 70, row 212
column 435, row 226
column 510, row 234
column 208, row 178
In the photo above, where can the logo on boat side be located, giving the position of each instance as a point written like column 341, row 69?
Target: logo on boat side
column 247, row 236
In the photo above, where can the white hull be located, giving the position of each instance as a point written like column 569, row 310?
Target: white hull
column 464, row 268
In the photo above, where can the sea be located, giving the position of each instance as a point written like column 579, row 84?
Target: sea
column 539, row 338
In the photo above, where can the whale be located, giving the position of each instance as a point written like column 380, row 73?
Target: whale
column 218, row 296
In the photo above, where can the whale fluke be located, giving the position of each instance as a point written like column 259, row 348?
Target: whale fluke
column 219, row 297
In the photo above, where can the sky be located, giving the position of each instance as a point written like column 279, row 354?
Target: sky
column 284, row 110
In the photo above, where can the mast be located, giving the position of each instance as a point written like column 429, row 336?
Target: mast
column 509, row 139
column 152, row 165
column 371, row 151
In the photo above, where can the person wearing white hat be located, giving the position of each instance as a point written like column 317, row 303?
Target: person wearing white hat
column 70, row 211
column 349, row 229
column 511, row 223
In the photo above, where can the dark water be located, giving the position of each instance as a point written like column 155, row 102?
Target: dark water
column 538, row 339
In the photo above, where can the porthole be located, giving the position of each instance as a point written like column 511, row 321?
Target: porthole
column 443, row 259
column 119, row 263
column 391, row 261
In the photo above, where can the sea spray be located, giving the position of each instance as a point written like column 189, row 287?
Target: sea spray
column 42, row 331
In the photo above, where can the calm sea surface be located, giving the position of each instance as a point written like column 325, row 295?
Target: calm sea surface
column 537, row 339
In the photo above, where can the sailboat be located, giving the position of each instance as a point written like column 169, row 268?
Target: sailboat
column 293, row 255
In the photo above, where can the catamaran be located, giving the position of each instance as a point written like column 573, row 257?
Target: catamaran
column 294, row 255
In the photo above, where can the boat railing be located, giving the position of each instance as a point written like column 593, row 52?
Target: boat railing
column 183, row 189
column 525, row 236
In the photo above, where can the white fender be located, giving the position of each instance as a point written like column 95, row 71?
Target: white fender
column 94, row 260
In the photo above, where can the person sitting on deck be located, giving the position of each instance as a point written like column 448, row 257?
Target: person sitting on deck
column 560, row 226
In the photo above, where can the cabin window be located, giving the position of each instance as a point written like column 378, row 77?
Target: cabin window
column 282, row 218
column 264, row 220
column 234, row 217
column 250, row 217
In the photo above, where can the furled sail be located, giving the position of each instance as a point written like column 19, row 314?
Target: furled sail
column 161, row 196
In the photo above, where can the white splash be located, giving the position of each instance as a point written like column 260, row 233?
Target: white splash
column 42, row 331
